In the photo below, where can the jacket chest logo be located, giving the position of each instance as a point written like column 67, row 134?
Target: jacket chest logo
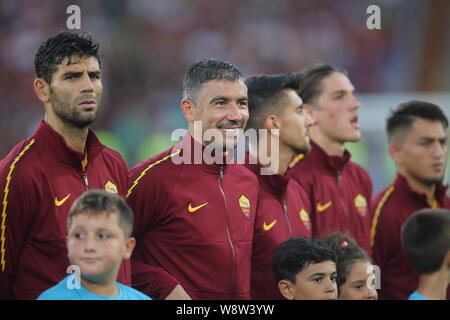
column 323, row 207
column 59, row 203
column 244, row 204
column 361, row 205
column 110, row 187
column 304, row 216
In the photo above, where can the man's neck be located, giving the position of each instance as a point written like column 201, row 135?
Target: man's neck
column 74, row 137
column 419, row 187
column 434, row 286
column 278, row 159
column 331, row 147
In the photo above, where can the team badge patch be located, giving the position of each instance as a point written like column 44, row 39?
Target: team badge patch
column 244, row 203
column 110, row 187
column 304, row 216
column 361, row 205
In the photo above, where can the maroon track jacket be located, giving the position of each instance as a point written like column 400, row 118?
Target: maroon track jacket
column 39, row 180
column 283, row 212
column 392, row 206
column 340, row 193
column 194, row 225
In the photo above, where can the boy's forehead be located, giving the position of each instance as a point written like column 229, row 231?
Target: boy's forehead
column 325, row 267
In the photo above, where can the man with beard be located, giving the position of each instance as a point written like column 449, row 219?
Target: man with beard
column 194, row 215
column 284, row 206
column 418, row 146
column 43, row 175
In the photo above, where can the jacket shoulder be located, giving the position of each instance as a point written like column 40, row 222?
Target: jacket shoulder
column 157, row 168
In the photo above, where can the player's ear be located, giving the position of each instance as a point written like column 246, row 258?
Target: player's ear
column 395, row 152
column 286, row 288
column 273, row 122
column 188, row 108
column 42, row 89
column 129, row 247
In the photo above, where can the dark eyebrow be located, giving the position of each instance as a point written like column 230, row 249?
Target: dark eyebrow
column 94, row 73
column 71, row 73
column 219, row 98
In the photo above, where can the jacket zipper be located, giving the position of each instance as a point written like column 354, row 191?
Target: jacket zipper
column 342, row 200
column 283, row 202
column 230, row 241
column 86, row 183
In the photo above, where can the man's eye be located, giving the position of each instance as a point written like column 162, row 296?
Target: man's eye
column 318, row 280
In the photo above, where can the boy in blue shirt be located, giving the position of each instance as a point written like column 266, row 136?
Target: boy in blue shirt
column 99, row 228
column 426, row 240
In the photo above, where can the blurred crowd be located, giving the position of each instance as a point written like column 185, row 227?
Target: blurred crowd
column 147, row 46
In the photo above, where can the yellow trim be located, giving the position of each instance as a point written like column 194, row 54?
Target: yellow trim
column 148, row 168
column 435, row 204
column 296, row 159
column 5, row 202
column 85, row 161
column 377, row 214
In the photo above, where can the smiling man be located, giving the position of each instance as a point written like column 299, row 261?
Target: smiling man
column 340, row 190
column 418, row 146
column 194, row 220
column 43, row 175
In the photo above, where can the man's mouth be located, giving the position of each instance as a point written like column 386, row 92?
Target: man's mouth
column 354, row 122
column 88, row 104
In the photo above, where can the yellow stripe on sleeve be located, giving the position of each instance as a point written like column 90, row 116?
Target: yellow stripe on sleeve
column 377, row 214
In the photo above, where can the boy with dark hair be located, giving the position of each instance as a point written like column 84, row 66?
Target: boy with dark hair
column 283, row 205
column 340, row 191
column 418, row 146
column 426, row 241
column 42, row 176
column 99, row 227
column 305, row 269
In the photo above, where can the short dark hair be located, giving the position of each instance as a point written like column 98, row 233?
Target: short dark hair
column 402, row 118
column 297, row 253
column 312, row 80
column 93, row 202
column 205, row 70
column 64, row 44
column 347, row 253
column 264, row 92
column 426, row 239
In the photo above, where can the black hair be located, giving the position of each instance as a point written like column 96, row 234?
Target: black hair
column 264, row 92
column 93, row 202
column 297, row 253
column 406, row 113
column 426, row 239
column 64, row 44
column 312, row 80
column 205, row 70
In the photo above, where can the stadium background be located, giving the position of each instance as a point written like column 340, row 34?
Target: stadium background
column 147, row 45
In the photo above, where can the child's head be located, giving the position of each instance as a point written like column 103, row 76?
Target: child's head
column 426, row 240
column 305, row 269
column 99, row 229
column 355, row 271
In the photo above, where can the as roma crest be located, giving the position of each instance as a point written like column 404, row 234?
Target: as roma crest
column 361, row 205
column 110, row 187
column 244, row 203
column 305, row 218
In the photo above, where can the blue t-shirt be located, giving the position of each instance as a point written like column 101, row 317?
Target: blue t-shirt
column 416, row 296
column 65, row 290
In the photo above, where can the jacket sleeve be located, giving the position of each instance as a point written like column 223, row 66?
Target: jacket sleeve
column 19, row 204
column 148, row 203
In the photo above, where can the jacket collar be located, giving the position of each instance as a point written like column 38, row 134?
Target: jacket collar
column 57, row 146
column 276, row 184
column 192, row 152
column 333, row 163
column 439, row 194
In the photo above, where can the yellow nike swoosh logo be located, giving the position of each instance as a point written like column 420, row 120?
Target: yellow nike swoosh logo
column 268, row 227
column 60, row 202
column 193, row 209
column 324, row 207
